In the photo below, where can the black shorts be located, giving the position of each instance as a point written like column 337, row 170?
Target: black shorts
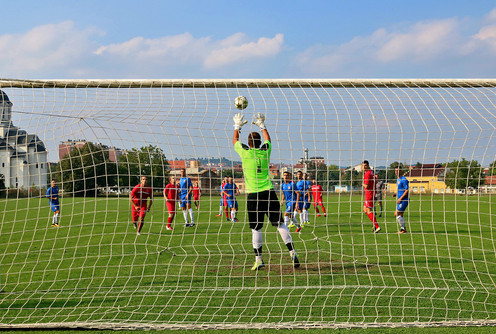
column 263, row 203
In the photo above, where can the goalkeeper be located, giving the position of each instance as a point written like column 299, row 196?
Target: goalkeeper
column 262, row 199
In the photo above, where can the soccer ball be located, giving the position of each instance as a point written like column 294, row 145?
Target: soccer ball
column 241, row 102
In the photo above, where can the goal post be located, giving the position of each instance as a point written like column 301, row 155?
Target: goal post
column 88, row 267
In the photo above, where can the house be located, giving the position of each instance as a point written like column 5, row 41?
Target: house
column 425, row 178
column 489, row 186
column 208, row 180
column 67, row 146
column 23, row 156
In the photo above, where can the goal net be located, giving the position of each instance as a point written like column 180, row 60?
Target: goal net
column 88, row 267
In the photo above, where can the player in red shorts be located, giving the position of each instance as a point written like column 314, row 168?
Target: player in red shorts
column 139, row 202
column 196, row 194
column 222, row 198
column 369, row 188
column 317, row 192
column 171, row 194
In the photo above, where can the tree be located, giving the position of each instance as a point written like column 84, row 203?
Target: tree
column 492, row 169
column 85, row 169
column 464, row 173
column 146, row 161
column 326, row 176
column 391, row 174
column 351, row 178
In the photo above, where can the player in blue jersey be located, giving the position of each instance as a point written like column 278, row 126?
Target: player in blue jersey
column 53, row 198
column 185, row 192
column 301, row 186
column 402, row 198
column 291, row 196
column 308, row 197
column 230, row 192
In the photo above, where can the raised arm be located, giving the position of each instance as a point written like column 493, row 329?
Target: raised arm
column 239, row 121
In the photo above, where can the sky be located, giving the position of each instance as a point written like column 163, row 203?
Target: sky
column 247, row 39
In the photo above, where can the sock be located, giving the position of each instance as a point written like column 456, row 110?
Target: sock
column 372, row 219
column 54, row 220
column 257, row 241
column 191, row 214
column 323, row 209
column 302, row 218
column 306, row 216
column 286, row 220
column 169, row 221
column 185, row 214
column 225, row 211
column 285, row 234
column 233, row 214
column 295, row 221
column 401, row 221
column 220, row 209
column 317, row 210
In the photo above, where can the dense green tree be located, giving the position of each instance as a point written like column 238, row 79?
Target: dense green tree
column 390, row 173
column 463, row 174
column 148, row 161
column 351, row 178
column 85, row 170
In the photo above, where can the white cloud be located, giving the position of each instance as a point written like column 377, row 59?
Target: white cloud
column 239, row 51
column 423, row 42
column 67, row 51
column 185, row 49
column 44, row 47
column 428, row 45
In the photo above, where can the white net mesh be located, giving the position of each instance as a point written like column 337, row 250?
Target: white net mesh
column 96, row 138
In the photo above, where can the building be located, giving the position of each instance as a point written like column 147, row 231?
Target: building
column 207, row 179
column 489, row 186
column 66, row 147
column 426, row 178
column 23, row 156
column 307, row 160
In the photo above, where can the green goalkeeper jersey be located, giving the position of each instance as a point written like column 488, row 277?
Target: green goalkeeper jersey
column 255, row 166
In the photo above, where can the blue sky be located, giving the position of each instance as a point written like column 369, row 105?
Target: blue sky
column 248, row 39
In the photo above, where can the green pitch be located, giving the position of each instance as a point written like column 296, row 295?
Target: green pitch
column 95, row 269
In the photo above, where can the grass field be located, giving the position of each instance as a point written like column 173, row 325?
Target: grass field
column 95, row 269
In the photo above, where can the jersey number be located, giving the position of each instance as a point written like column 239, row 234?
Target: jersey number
column 259, row 166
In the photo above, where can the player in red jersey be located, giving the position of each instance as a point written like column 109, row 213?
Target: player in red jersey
column 223, row 201
column 196, row 194
column 369, row 187
column 139, row 202
column 317, row 192
column 171, row 194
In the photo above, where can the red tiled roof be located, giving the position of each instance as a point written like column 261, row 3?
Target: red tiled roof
column 426, row 170
column 490, row 180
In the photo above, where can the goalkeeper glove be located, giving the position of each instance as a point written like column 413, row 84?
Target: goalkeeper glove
column 260, row 121
column 239, row 121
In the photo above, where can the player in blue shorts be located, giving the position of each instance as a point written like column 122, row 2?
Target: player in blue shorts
column 230, row 192
column 53, row 198
column 308, row 197
column 291, row 196
column 185, row 192
column 301, row 186
column 402, row 196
